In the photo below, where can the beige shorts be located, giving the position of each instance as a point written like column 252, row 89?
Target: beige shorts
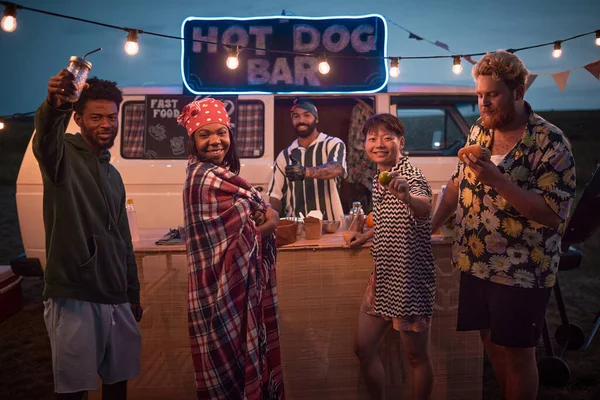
column 413, row 323
column 91, row 339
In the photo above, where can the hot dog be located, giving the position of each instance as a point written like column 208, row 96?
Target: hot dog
column 477, row 150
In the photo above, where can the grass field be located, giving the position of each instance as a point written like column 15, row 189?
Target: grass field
column 25, row 362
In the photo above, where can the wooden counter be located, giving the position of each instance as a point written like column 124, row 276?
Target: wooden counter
column 320, row 285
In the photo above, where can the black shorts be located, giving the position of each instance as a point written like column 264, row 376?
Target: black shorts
column 514, row 315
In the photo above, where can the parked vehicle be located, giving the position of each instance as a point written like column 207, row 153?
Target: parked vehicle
column 437, row 120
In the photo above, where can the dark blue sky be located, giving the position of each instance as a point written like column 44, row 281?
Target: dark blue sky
column 42, row 44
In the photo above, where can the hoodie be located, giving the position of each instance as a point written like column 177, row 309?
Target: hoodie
column 89, row 255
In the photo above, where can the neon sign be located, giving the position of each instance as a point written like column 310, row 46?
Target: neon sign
column 280, row 54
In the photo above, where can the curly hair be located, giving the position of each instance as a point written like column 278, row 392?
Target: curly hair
column 388, row 122
column 503, row 65
column 99, row 90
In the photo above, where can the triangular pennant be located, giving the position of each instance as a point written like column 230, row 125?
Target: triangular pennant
column 442, row 45
column 413, row 36
column 561, row 79
column 594, row 68
column 530, row 80
column 470, row 60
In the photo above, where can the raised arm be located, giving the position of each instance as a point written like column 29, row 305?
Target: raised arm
column 331, row 170
column 51, row 121
column 336, row 162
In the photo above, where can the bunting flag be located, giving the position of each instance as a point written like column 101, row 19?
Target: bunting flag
column 530, row 79
column 442, row 45
column 436, row 43
column 594, row 68
column 470, row 60
column 561, row 79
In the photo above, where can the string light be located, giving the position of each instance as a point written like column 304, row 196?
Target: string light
column 557, row 50
column 232, row 59
column 131, row 46
column 456, row 66
column 395, row 67
column 9, row 24
column 9, row 21
column 324, row 67
column 4, row 119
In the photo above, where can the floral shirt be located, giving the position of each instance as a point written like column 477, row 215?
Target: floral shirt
column 492, row 240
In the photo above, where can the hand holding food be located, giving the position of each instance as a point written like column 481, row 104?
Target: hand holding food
column 385, row 178
column 477, row 150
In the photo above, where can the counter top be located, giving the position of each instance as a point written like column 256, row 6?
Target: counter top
column 147, row 242
column 148, row 238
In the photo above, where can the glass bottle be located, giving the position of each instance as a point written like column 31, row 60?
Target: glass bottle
column 132, row 218
column 357, row 217
column 80, row 68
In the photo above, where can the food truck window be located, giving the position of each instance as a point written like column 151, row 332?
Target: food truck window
column 430, row 131
column 469, row 111
column 249, row 133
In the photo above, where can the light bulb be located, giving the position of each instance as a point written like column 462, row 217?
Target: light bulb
column 324, row 67
column 132, row 47
column 9, row 21
column 598, row 38
column 395, row 68
column 232, row 62
column 557, row 50
column 456, row 66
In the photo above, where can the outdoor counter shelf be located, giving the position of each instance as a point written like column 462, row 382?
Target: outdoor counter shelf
column 320, row 284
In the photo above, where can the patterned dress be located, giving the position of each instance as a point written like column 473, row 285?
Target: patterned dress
column 492, row 240
column 404, row 266
column 232, row 295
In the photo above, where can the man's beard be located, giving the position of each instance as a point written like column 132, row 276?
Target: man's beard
column 500, row 118
column 305, row 132
column 106, row 145
column 93, row 139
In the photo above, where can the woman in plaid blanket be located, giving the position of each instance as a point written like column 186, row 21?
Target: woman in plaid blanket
column 232, row 296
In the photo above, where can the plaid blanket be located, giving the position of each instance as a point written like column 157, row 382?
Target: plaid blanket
column 232, row 295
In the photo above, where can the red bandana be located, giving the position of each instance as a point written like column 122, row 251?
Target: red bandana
column 203, row 112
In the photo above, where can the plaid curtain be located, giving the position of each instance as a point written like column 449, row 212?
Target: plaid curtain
column 250, row 131
column 249, row 134
column 133, row 131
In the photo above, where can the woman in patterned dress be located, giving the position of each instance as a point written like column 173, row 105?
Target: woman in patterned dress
column 401, row 289
column 230, row 243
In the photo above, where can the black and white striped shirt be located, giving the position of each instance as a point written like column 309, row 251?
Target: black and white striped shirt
column 404, row 265
column 310, row 194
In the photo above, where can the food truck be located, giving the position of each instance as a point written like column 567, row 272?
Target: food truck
column 278, row 61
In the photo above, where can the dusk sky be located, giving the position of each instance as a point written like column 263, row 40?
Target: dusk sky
column 42, row 44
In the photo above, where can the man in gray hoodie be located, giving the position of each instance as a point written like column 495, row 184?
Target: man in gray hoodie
column 91, row 288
